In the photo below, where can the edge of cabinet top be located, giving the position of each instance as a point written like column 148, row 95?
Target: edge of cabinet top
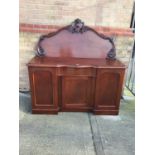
column 75, row 62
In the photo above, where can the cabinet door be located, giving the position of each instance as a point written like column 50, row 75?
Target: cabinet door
column 77, row 93
column 44, row 89
column 108, row 90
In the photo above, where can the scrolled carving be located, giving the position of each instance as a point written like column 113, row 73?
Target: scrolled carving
column 111, row 54
column 40, row 52
column 77, row 26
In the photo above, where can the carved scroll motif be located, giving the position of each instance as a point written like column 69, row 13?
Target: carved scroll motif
column 40, row 51
column 111, row 54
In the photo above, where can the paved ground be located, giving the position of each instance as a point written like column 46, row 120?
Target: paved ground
column 76, row 133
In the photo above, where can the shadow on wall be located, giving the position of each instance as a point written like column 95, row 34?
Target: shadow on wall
column 24, row 103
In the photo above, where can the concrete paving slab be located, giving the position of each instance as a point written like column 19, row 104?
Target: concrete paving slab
column 116, row 133
column 63, row 134
column 76, row 133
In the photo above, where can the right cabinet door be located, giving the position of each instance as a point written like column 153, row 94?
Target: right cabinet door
column 109, row 84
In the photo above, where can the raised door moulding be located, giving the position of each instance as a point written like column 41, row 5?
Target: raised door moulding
column 77, row 27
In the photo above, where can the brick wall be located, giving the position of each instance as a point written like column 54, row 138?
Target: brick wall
column 37, row 17
column 113, row 13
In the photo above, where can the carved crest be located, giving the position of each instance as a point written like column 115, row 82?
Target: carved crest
column 77, row 26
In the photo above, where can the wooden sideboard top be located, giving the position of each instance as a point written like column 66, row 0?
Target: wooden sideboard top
column 75, row 62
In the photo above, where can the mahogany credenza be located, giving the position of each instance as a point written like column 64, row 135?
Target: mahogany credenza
column 75, row 70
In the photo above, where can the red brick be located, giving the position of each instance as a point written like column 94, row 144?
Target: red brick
column 36, row 28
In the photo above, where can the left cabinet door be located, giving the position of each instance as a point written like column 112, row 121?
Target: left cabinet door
column 43, row 83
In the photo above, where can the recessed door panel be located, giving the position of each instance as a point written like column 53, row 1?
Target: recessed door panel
column 44, row 90
column 77, row 91
column 107, row 89
column 42, row 83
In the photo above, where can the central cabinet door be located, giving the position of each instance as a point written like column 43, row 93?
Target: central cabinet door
column 77, row 91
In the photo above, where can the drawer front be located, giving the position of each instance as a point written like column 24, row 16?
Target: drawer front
column 78, row 71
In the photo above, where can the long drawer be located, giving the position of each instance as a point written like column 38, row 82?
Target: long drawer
column 77, row 71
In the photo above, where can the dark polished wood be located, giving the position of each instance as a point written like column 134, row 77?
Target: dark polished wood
column 75, row 62
column 71, row 72
column 43, row 82
column 75, row 84
column 108, row 90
